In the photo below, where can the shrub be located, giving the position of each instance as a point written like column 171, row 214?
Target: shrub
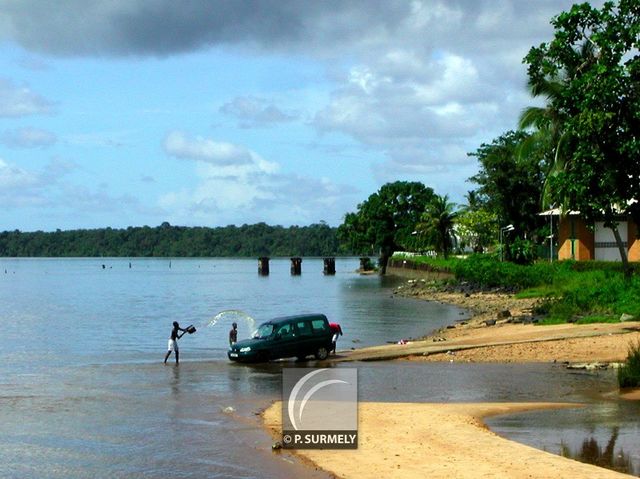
column 629, row 373
column 522, row 251
column 486, row 271
column 570, row 290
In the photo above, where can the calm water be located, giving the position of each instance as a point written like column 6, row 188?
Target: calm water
column 83, row 391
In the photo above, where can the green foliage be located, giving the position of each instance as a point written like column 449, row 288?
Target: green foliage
column 436, row 264
column 176, row 241
column 477, row 228
column 487, row 271
column 510, row 184
column 570, row 291
column 598, row 318
column 595, row 59
column 385, row 222
column 522, row 251
column 591, row 295
column 436, row 225
column 629, row 373
column 551, row 322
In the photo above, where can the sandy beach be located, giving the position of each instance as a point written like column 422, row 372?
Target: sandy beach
column 491, row 334
column 450, row 440
column 506, row 341
column 439, row 441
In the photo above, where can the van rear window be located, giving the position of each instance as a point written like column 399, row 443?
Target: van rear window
column 319, row 325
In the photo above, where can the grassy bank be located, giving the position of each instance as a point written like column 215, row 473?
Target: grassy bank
column 583, row 292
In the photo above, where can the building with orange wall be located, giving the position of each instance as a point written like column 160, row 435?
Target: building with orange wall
column 581, row 241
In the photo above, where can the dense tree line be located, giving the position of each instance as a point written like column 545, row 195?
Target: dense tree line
column 175, row 241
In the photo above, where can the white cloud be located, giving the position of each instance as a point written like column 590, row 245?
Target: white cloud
column 421, row 82
column 18, row 101
column 252, row 190
column 13, row 178
column 28, row 138
column 23, row 188
column 180, row 145
column 253, row 112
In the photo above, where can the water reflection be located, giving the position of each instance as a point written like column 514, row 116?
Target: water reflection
column 175, row 381
column 592, row 453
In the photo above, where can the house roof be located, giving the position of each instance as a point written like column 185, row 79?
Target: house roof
column 557, row 212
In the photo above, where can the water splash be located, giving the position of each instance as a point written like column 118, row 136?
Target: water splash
column 229, row 316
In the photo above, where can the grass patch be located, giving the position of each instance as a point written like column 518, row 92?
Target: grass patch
column 584, row 292
column 436, row 264
column 550, row 321
column 536, row 292
column 629, row 374
column 598, row 319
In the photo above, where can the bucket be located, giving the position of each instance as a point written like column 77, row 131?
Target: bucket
column 191, row 329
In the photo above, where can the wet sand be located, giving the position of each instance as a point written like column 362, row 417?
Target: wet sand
column 439, row 441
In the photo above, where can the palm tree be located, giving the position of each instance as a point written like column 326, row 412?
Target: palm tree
column 437, row 223
column 549, row 135
column 474, row 201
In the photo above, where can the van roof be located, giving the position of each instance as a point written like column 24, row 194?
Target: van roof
column 296, row 317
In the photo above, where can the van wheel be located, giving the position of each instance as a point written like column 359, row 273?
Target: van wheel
column 322, row 353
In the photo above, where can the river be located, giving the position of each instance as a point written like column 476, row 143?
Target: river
column 84, row 393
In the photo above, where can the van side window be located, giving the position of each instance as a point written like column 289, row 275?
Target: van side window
column 304, row 328
column 285, row 330
column 319, row 325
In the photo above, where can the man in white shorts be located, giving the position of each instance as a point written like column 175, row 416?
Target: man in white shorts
column 173, row 342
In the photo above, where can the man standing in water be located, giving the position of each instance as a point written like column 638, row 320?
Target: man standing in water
column 173, row 342
column 233, row 334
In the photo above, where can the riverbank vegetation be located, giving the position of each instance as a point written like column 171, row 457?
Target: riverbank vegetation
column 176, row 241
column 569, row 291
column 629, row 373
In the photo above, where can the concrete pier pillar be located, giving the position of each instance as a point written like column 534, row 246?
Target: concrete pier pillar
column 296, row 266
column 263, row 266
column 329, row 266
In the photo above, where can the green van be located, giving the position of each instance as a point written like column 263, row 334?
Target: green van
column 291, row 336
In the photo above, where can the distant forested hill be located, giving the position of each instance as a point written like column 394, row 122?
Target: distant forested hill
column 176, row 241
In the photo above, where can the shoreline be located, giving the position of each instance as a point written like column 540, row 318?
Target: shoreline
column 500, row 329
column 416, row 440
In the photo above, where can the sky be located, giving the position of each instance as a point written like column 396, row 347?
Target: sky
column 117, row 113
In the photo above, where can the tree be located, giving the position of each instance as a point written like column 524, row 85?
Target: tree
column 599, row 108
column 386, row 220
column 437, row 224
column 477, row 228
column 510, row 184
column 549, row 136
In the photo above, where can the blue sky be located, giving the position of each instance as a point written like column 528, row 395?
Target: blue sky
column 207, row 113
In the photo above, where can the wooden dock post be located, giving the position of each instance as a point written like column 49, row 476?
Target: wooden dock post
column 296, row 266
column 329, row 266
column 263, row 266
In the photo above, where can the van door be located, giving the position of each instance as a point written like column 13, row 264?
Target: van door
column 284, row 343
column 304, row 333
